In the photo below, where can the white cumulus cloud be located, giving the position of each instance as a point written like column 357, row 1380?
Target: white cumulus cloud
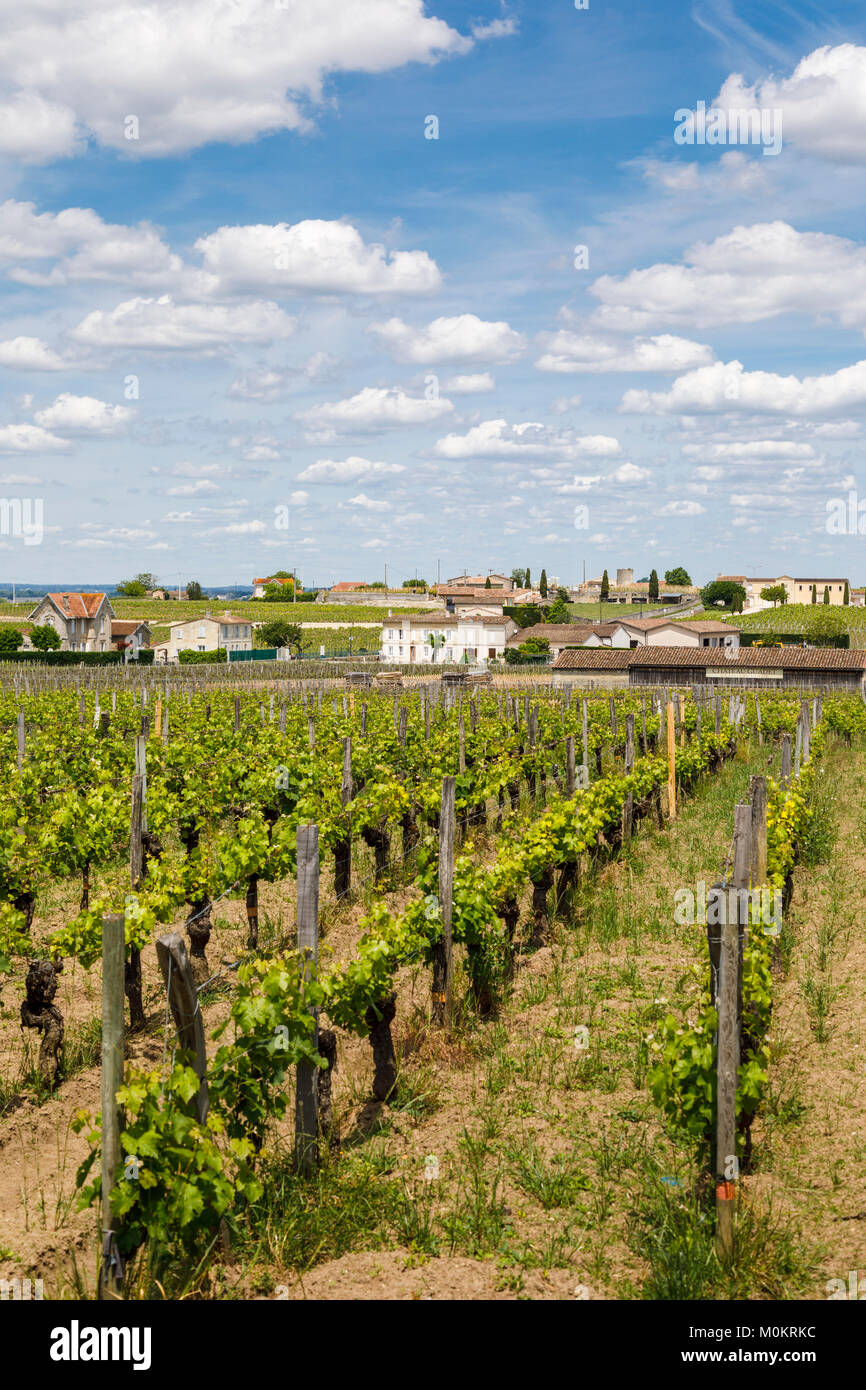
column 83, row 415
column 160, row 323
column 350, row 470
column 463, row 338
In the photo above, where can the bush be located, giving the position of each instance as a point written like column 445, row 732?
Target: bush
column 188, row 657
column 10, row 639
column 45, row 638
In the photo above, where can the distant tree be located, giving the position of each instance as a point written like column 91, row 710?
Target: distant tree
column 132, row 588
column 605, row 586
column 846, row 597
column 518, row 577
column 527, row 614
column 653, row 584
column 775, row 593
column 724, row 592
column 279, row 633
column 193, row 591
column 826, row 598
column 414, row 584
column 814, row 594
column 527, row 581
column 557, row 612
column 281, row 574
column 377, row 584
column 11, row 638
column 563, row 594
column 279, row 593
column 487, row 583
column 532, row 647
column 677, row 576
column 542, row 584
column 45, row 638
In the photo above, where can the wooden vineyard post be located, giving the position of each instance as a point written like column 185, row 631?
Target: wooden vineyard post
column 442, row 951
column 806, row 732
column 672, row 764
column 584, row 733
column 570, row 776
column 158, row 718
column 758, row 789
column 113, row 954
column 311, row 733
column 718, row 715
column 307, row 1090
column 461, row 737
column 612, row 707
column 786, row 760
column 343, row 847
column 628, row 808
column 758, row 721
column 141, row 771
column 798, row 747
column 728, row 1048
column 182, row 995
column 643, row 724
column 237, row 712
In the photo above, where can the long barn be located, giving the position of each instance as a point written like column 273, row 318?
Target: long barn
column 773, row 668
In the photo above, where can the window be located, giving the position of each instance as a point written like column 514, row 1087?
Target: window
column 491, row 651
column 200, row 632
column 180, row 635
column 201, row 649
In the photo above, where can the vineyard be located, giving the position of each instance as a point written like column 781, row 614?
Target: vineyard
column 405, row 981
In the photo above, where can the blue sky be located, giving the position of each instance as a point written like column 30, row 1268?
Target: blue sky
column 282, row 299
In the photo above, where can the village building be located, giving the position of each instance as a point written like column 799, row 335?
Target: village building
column 206, row 633
column 797, row 590
column 81, row 621
column 130, row 636
column 471, row 637
column 815, row 668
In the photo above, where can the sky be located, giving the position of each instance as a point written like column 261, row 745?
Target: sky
column 377, row 288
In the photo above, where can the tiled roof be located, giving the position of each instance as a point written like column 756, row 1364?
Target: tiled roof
column 767, row 658
column 646, row 624
column 125, row 627
column 593, row 659
column 77, row 605
column 705, row 625
column 553, row 632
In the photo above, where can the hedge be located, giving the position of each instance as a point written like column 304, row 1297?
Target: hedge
column 58, row 658
column 188, row 657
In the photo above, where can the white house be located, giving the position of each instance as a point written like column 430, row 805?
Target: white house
column 206, row 634
column 664, row 632
column 82, row 621
column 472, row 636
column 798, row 590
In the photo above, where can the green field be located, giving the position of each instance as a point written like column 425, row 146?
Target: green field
column 612, row 610
column 170, row 611
column 797, row 617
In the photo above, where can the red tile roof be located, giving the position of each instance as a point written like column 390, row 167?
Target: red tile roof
column 78, row 605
